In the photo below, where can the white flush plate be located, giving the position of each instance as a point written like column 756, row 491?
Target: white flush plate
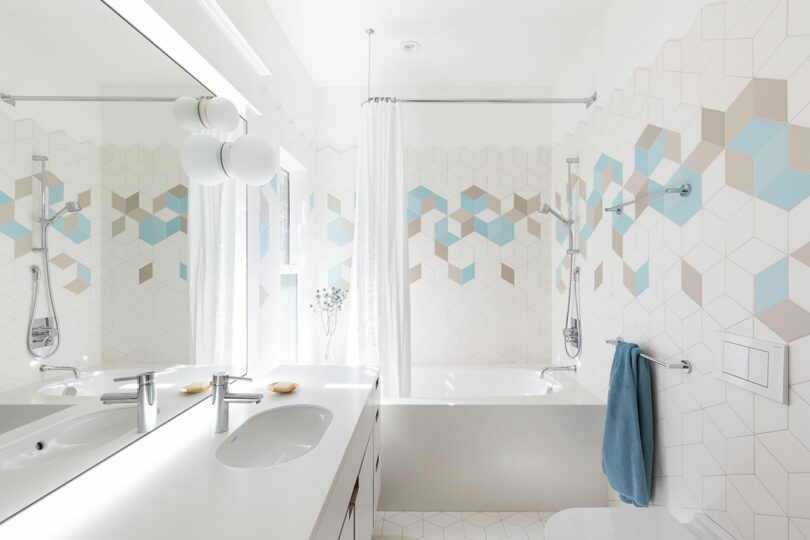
column 756, row 365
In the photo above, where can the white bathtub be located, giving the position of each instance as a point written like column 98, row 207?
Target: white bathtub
column 492, row 439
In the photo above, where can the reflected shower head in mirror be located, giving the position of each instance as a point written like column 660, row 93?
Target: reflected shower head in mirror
column 71, row 207
column 546, row 209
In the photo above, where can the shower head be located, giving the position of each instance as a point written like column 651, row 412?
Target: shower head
column 71, row 206
column 546, row 209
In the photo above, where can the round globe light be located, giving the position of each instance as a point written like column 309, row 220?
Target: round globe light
column 220, row 114
column 250, row 159
column 186, row 114
column 200, row 157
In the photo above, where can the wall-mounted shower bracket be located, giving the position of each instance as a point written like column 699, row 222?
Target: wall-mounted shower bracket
column 684, row 191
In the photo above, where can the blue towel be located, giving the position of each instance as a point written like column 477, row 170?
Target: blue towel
column 627, row 447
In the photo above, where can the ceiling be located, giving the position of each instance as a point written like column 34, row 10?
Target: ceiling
column 467, row 43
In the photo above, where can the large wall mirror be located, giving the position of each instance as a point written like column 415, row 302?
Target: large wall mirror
column 106, row 259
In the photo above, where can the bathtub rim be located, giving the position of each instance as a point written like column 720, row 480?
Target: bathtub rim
column 572, row 392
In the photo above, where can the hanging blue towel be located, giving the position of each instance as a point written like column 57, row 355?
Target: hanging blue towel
column 627, row 447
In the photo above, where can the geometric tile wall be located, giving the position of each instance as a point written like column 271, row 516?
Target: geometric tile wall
column 74, row 242
column 726, row 110
column 479, row 251
column 145, row 248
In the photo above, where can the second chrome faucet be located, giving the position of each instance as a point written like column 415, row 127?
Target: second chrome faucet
column 221, row 397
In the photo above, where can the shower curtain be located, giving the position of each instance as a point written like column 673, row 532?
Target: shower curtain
column 380, row 318
column 217, row 276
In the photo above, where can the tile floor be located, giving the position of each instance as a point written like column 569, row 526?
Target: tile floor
column 460, row 525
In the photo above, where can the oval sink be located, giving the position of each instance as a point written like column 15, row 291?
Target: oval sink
column 69, row 438
column 275, row 436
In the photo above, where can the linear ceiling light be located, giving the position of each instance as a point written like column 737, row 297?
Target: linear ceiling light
column 147, row 21
column 226, row 26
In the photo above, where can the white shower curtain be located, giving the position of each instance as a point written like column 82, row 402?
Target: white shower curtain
column 380, row 316
column 217, row 275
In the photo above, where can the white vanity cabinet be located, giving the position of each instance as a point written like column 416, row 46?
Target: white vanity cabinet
column 349, row 511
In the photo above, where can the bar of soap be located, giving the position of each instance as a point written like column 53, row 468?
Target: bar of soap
column 282, row 387
column 197, row 387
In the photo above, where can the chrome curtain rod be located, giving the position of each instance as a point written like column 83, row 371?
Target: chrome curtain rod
column 587, row 101
column 683, row 364
column 12, row 100
column 683, row 190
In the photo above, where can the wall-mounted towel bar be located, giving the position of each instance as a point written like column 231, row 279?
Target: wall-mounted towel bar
column 683, row 364
column 683, row 191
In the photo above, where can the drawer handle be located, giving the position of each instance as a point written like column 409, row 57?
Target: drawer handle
column 377, row 384
column 354, row 492
column 377, row 466
column 377, row 416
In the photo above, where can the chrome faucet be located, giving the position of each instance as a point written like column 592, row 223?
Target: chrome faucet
column 145, row 397
column 48, row 367
column 551, row 369
column 221, row 397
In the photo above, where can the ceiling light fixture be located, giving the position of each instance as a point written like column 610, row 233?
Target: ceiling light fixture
column 226, row 26
column 410, row 46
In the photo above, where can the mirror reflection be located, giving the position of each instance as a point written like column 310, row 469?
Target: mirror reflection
column 102, row 252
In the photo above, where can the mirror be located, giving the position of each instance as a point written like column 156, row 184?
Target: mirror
column 101, row 284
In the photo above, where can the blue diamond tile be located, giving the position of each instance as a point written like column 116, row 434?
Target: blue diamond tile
column 312, row 201
column 467, row 273
column 56, row 193
column 442, row 234
column 586, row 231
column 440, row 203
column 755, row 136
column 560, row 231
column 335, row 273
column 480, row 226
column 83, row 273
column 501, row 231
column 771, row 286
column 183, row 271
column 172, row 226
column 789, row 189
column 152, row 230
column 5, row 198
column 642, row 278
column 474, row 200
column 274, row 183
column 340, row 231
column 558, row 273
column 177, row 205
column 13, row 230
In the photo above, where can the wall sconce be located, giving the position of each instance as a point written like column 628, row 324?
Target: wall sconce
column 196, row 114
column 209, row 161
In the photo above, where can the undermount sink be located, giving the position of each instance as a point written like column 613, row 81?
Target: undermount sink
column 69, row 438
column 275, row 436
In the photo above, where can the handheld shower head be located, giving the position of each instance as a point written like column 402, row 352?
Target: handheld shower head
column 546, row 209
column 71, row 207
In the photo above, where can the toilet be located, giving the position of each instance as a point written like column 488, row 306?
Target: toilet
column 653, row 523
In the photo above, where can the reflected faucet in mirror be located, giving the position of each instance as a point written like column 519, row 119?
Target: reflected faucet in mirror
column 145, row 397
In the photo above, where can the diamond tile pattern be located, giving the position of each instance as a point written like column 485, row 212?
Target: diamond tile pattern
column 731, row 256
column 460, row 525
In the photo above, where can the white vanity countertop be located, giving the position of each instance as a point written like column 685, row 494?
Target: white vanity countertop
column 170, row 484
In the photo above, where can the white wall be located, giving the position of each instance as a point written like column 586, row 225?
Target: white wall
column 628, row 36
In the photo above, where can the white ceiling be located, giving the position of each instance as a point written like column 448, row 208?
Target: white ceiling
column 469, row 43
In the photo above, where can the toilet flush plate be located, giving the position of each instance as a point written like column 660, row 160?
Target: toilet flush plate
column 754, row 364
